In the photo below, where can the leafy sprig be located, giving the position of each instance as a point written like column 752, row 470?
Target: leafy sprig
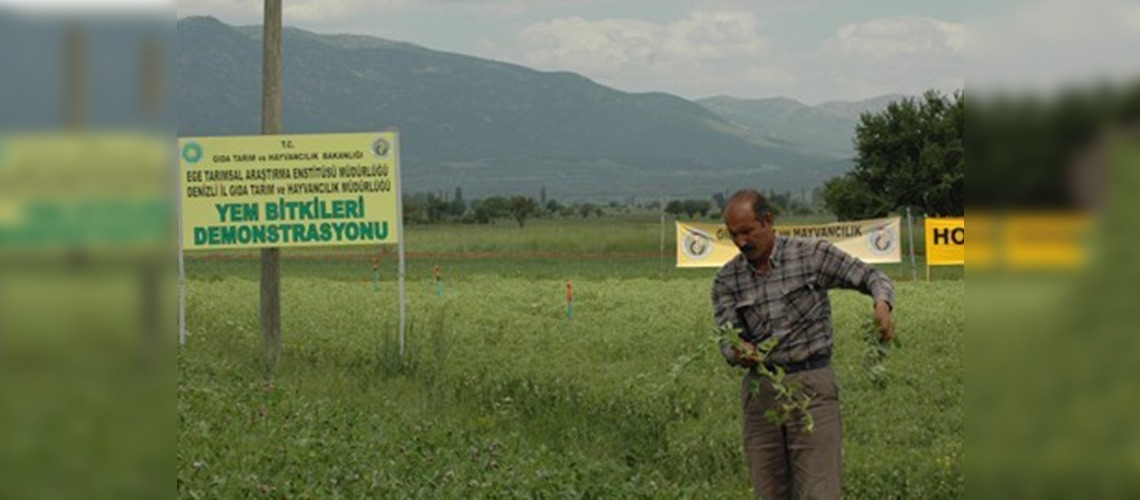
column 791, row 400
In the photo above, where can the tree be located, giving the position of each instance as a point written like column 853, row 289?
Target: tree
column 457, row 207
column 720, row 200
column 415, row 210
column 817, row 197
column 689, row 207
column 910, row 154
column 703, row 207
column 552, row 206
column 780, row 202
column 675, row 208
column 848, row 199
column 436, row 208
column 522, row 207
column 838, row 195
column 694, row 207
column 492, row 208
column 800, row 208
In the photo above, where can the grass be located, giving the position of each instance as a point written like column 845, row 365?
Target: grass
column 498, row 396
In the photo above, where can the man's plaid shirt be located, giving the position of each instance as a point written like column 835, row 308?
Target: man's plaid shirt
column 790, row 302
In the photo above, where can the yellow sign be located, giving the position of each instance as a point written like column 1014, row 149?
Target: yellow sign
column 1046, row 240
column 289, row 190
column 946, row 242
column 873, row 241
column 97, row 191
column 985, row 243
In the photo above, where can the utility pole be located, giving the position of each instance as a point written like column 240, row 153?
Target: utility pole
column 910, row 231
column 661, row 250
column 150, row 286
column 270, row 311
column 76, row 71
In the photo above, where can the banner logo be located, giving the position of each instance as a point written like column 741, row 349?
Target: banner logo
column 882, row 240
column 380, row 147
column 697, row 244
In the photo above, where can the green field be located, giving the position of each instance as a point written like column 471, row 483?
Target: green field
column 498, row 395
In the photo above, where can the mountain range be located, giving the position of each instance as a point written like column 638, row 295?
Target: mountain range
column 497, row 128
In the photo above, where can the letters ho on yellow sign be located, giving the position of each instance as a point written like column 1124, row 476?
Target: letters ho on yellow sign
column 289, row 190
column 945, row 241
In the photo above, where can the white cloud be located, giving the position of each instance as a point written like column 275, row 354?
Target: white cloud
column 899, row 36
column 715, row 49
column 682, row 55
column 613, row 43
column 906, row 54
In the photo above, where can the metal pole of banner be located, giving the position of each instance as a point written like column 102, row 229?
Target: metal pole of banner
column 400, row 244
column 181, row 261
column 181, row 275
column 151, row 57
column 913, row 262
column 661, row 252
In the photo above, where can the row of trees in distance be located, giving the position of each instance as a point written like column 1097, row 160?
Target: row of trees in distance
column 435, row 208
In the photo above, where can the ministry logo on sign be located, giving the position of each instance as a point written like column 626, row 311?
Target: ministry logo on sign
column 192, row 152
column 882, row 240
column 696, row 244
column 380, row 147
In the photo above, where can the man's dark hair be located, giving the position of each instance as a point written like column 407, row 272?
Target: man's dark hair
column 760, row 206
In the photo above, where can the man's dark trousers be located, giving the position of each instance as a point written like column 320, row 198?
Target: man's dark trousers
column 785, row 461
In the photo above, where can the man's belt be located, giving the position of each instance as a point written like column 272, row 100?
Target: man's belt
column 811, row 363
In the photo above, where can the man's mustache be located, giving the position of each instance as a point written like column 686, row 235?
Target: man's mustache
column 747, row 248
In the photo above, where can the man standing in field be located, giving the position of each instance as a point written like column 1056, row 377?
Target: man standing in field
column 777, row 288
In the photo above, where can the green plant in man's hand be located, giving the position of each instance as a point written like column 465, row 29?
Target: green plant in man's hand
column 877, row 346
column 790, row 398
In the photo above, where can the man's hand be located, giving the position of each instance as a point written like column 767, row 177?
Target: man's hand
column 886, row 323
column 748, row 354
column 745, row 355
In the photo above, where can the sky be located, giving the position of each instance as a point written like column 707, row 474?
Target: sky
column 810, row 50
